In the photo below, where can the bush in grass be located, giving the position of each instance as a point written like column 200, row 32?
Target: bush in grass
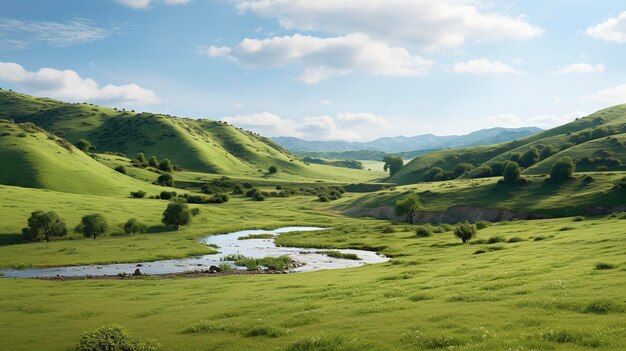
column 515, row 239
column 465, row 231
column 482, row 224
column 462, row 168
column 529, row 158
column 323, row 198
column 238, row 190
column 121, row 169
column 177, row 215
column 113, row 338
column 153, row 162
column 92, row 226
column 166, row 195
column 44, row 226
column 133, row 226
column 139, row 194
column 388, row 230
column 141, row 158
column 579, row 218
column 408, row 206
column 512, row 173
column 604, row 266
column 166, row 165
column 272, row 170
column 195, row 211
column 496, row 239
column 84, row 145
column 423, row 232
column 562, row 169
column 259, row 197
column 165, row 180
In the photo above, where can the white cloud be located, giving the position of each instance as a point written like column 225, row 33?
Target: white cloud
column 483, row 66
column 143, row 4
column 613, row 29
column 68, row 85
column 426, row 23
column 325, row 57
column 580, row 68
column 511, row 120
column 615, row 95
column 19, row 34
column 344, row 126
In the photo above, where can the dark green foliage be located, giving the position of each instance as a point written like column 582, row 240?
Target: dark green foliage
column 84, row 145
column 465, row 231
column 529, row 158
column 141, row 158
column 462, row 168
column 604, row 266
column 166, row 166
column 113, row 338
column 139, row 194
column 495, row 239
column 435, row 173
column 482, row 171
column 408, row 206
column 482, row 224
column 121, row 169
column 353, row 164
column 177, row 215
column 133, row 226
column 195, row 211
column 515, row 157
column 512, row 173
column 165, row 180
column 272, row 170
column 603, row 307
column 153, row 162
column 339, row 254
column 548, row 151
column 44, row 226
column 423, row 232
column 92, row 226
column 166, row 195
column 238, row 190
column 620, row 184
column 515, row 239
column 562, row 169
column 497, row 168
column 393, row 164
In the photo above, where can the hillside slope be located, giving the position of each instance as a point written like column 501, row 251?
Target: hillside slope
column 582, row 138
column 33, row 158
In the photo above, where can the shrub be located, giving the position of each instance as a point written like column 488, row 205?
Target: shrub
column 323, row 198
column 515, row 239
column 195, row 211
column 139, row 194
column 465, row 231
column 141, row 158
column 603, row 307
column 272, row 170
column 423, row 232
column 166, row 165
column 562, row 169
column 579, row 218
column 539, row 238
column 604, row 265
column 512, row 173
column 153, row 162
column 462, row 168
column 177, row 215
column 84, row 145
column 496, row 239
column 165, row 180
column 408, row 206
column 113, row 338
column 238, row 190
column 529, row 158
column 166, row 195
column 121, row 169
column 435, row 173
column 44, row 226
column 133, row 226
column 92, row 226
column 482, row 224
column 259, row 197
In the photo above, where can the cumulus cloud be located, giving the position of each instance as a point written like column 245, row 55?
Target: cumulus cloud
column 344, row 126
column 143, row 4
column 615, row 95
column 483, row 66
column 19, row 34
column 427, row 23
column 613, row 29
column 68, row 85
column 325, row 57
column 511, row 120
column 582, row 68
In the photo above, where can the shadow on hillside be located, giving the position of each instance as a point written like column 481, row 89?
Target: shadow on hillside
column 11, row 239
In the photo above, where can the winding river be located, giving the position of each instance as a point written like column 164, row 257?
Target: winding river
column 313, row 259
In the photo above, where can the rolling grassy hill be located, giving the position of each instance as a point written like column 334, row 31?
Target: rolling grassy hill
column 34, row 158
column 584, row 138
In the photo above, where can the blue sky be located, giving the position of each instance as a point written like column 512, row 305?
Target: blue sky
column 325, row 69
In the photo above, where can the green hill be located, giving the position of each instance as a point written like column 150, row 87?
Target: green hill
column 34, row 158
column 597, row 137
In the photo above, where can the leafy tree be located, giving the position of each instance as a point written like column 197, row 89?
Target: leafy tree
column 139, row 194
column 166, row 195
column 462, row 168
column 177, row 215
column 165, row 180
column 512, row 173
column 154, row 162
column 408, row 206
column 121, row 169
column 141, row 157
column 133, row 226
column 393, row 164
column 166, row 165
column 482, row 171
column 465, row 231
column 529, row 158
column 272, row 169
column 548, row 151
column 92, row 226
column 44, row 226
column 562, row 169
column 516, row 157
column 84, row 145
column 600, row 132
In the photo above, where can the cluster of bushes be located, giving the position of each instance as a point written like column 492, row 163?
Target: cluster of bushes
column 199, row 199
column 165, row 165
column 113, row 338
column 591, row 134
column 353, row 164
column 326, row 194
column 139, row 194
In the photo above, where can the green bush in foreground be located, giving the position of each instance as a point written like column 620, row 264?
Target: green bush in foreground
column 44, row 226
column 113, row 338
column 423, row 232
column 465, row 231
column 177, row 215
column 512, row 173
column 562, row 169
column 92, row 226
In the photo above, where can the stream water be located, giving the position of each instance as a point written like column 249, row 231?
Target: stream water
column 313, row 259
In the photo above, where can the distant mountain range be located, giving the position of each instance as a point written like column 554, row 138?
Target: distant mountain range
column 414, row 143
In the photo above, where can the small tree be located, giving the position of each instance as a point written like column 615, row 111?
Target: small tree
column 165, row 180
column 176, row 215
column 512, row 173
column 562, row 169
column 408, row 206
column 166, row 165
column 133, row 226
column 393, row 164
column 462, row 168
column 141, row 157
column 465, row 231
column 44, row 226
column 529, row 158
column 92, row 226
column 153, row 162
column 84, row 145
column 121, row 169
column 272, row 169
